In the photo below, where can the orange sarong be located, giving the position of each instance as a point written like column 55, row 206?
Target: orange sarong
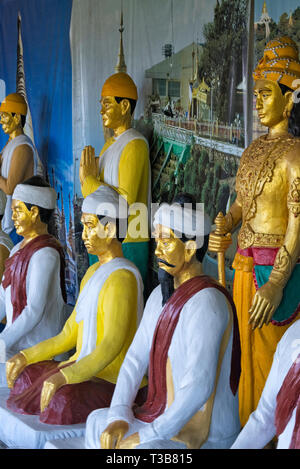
column 258, row 346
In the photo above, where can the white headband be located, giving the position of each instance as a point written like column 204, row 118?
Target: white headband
column 183, row 220
column 107, row 202
column 41, row 196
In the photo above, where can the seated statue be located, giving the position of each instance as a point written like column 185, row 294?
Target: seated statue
column 6, row 246
column 278, row 410
column 19, row 157
column 186, row 338
column 100, row 328
column 32, row 293
column 123, row 163
column 6, row 243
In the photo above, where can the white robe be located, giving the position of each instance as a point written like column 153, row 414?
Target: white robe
column 7, row 223
column 45, row 312
column 260, row 428
column 194, row 354
column 109, row 161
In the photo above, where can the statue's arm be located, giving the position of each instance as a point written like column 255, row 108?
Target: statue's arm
column 49, row 348
column 268, row 297
column 289, row 253
column 44, row 265
column 118, row 299
column 20, row 168
column 132, row 174
column 204, row 323
column 2, row 304
column 4, row 254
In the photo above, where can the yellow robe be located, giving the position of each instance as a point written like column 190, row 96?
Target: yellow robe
column 258, row 346
column 116, row 326
column 133, row 177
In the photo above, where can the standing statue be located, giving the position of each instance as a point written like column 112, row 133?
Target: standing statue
column 124, row 160
column 186, row 339
column 32, row 292
column 278, row 410
column 19, row 157
column 101, row 328
column 267, row 272
column 123, row 163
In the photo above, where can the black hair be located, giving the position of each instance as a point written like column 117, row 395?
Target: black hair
column 185, row 198
column 23, row 119
column 294, row 119
column 117, row 222
column 132, row 103
column 44, row 213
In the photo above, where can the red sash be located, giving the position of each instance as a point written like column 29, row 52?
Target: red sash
column 16, row 268
column 288, row 399
column 157, row 387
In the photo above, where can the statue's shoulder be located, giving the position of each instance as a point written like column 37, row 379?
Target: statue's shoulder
column 292, row 155
column 254, row 146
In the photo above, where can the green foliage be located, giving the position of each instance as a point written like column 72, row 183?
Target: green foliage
column 195, row 173
column 222, row 199
column 223, row 50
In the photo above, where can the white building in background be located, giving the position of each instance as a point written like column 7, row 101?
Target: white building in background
column 172, row 76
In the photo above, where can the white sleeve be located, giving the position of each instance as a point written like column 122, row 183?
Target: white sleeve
column 41, row 271
column 133, row 369
column 204, row 324
column 2, row 303
column 260, row 428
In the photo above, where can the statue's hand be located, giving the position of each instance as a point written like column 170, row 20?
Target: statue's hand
column 113, row 434
column 130, row 442
column 14, row 366
column 219, row 243
column 88, row 164
column 50, row 386
column 266, row 300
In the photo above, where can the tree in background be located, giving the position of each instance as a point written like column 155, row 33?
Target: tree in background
column 222, row 198
column 221, row 62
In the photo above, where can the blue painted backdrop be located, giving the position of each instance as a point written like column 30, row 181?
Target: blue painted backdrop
column 48, row 73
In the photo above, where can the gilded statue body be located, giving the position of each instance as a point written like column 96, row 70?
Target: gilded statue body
column 32, row 291
column 19, row 157
column 123, row 162
column 186, row 341
column 268, row 208
column 99, row 329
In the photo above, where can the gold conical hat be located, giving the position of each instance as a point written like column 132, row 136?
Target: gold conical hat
column 280, row 63
column 14, row 102
column 120, row 85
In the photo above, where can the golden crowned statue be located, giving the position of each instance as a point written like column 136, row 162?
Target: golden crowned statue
column 267, row 269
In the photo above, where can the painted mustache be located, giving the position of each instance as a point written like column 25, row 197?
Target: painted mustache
column 165, row 262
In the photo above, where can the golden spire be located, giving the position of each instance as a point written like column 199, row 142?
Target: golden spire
column 121, row 65
column 264, row 10
column 291, row 22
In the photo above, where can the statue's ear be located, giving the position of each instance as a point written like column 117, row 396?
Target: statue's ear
column 190, row 250
column 289, row 103
column 111, row 230
column 34, row 211
column 17, row 119
column 125, row 106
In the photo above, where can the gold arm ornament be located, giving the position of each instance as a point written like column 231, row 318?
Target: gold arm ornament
column 293, row 200
column 221, row 231
column 282, row 268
